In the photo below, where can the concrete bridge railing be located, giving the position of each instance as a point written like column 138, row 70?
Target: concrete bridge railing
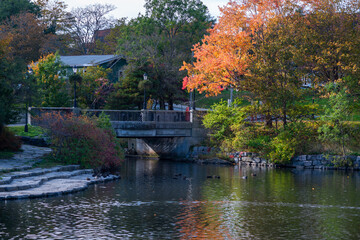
column 126, row 115
column 166, row 133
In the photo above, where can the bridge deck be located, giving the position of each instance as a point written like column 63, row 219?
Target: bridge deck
column 139, row 124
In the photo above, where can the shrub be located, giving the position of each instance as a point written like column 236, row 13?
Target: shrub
column 8, row 141
column 222, row 121
column 283, row 148
column 340, row 161
column 296, row 138
column 103, row 121
column 78, row 140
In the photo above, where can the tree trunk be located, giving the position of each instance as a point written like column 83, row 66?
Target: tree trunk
column 171, row 104
column 284, row 115
column 162, row 104
column 268, row 120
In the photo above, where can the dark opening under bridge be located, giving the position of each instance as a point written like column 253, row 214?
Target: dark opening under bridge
column 164, row 132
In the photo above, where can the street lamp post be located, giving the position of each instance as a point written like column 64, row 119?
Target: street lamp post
column 145, row 78
column 75, row 71
column 28, row 76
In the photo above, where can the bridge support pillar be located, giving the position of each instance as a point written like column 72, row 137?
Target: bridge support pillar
column 168, row 147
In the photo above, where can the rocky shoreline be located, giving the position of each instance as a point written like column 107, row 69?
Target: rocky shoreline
column 320, row 161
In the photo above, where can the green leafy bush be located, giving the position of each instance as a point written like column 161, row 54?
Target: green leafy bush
column 296, row 138
column 78, row 140
column 340, row 161
column 221, row 120
column 103, row 121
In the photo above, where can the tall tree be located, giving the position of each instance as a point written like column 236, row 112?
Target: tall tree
column 159, row 41
column 86, row 21
column 50, row 75
column 94, row 80
column 8, row 77
column 28, row 40
column 54, row 16
column 10, row 8
column 270, row 47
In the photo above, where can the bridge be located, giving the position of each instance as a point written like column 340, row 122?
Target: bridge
column 163, row 132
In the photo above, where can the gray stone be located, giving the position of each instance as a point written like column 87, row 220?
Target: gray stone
column 307, row 163
column 356, row 164
column 316, row 162
column 298, row 163
column 325, row 162
column 246, row 159
column 257, row 159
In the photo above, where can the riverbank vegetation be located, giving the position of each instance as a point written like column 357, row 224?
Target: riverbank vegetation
column 87, row 141
column 297, row 62
column 233, row 130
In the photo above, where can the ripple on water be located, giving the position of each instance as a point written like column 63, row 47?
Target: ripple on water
column 274, row 205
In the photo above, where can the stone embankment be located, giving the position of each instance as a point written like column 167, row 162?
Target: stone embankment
column 19, row 180
column 302, row 162
column 320, row 161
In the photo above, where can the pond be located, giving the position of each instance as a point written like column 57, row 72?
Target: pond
column 152, row 201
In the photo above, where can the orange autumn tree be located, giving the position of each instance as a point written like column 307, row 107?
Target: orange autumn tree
column 252, row 49
column 271, row 47
column 223, row 56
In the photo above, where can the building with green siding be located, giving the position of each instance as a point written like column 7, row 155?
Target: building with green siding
column 79, row 63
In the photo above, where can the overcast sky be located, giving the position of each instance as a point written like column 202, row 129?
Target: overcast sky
column 131, row 8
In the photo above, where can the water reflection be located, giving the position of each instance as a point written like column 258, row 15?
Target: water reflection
column 169, row 200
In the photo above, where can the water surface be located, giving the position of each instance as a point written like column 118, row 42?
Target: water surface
column 152, row 201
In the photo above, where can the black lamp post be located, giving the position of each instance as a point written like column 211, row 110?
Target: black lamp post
column 145, row 78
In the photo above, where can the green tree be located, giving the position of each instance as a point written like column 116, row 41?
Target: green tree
column 159, row 41
column 10, row 8
column 222, row 121
column 340, row 107
column 9, row 79
column 51, row 79
column 93, row 79
column 126, row 94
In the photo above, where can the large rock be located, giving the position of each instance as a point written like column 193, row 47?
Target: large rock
column 307, row 163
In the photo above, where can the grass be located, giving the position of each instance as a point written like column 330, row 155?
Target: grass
column 34, row 131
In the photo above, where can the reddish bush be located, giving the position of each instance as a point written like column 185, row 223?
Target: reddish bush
column 77, row 140
column 8, row 141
